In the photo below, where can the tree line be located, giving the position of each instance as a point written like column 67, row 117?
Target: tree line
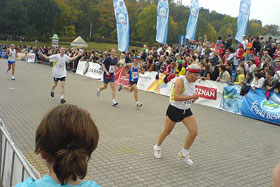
column 40, row 19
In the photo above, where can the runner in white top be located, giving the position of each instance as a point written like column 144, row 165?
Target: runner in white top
column 59, row 69
column 12, row 55
column 182, row 96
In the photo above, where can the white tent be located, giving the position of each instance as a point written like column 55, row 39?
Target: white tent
column 79, row 42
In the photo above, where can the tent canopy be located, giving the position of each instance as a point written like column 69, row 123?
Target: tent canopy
column 79, row 42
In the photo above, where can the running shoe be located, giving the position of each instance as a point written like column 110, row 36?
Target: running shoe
column 157, row 153
column 13, row 78
column 98, row 92
column 138, row 105
column 186, row 158
column 62, row 100
column 52, row 93
column 121, row 87
column 7, row 70
column 115, row 103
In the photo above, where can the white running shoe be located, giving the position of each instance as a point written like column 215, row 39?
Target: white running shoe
column 98, row 92
column 13, row 78
column 186, row 158
column 138, row 105
column 115, row 103
column 121, row 87
column 157, row 153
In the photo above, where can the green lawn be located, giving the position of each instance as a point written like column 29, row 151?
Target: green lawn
column 91, row 45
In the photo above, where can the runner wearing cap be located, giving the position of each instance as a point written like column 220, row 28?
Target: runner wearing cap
column 182, row 95
column 133, row 72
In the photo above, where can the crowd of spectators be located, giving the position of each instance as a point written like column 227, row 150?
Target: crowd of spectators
column 255, row 62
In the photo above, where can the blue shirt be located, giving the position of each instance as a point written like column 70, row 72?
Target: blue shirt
column 134, row 74
column 47, row 181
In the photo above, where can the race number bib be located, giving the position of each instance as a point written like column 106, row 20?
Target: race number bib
column 135, row 75
column 112, row 69
column 61, row 65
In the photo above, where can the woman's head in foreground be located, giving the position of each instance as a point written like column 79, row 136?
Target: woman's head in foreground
column 66, row 137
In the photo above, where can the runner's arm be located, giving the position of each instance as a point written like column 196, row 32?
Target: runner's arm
column 44, row 56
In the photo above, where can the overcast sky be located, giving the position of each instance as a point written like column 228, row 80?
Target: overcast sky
column 268, row 11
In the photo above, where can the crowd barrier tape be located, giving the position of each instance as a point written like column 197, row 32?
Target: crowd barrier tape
column 213, row 94
column 14, row 168
column 31, row 57
column 259, row 105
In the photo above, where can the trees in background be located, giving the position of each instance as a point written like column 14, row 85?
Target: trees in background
column 40, row 19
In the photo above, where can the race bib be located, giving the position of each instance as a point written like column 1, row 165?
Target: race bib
column 112, row 69
column 135, row 75
column 61, row 65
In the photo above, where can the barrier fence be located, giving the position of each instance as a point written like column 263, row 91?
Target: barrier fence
column 258, row 105
column 14, row 168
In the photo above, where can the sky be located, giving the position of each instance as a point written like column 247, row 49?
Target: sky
column 268, row 11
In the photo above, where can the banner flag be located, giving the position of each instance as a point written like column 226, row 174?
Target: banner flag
column 122, row 21
column 162, row 21
column 243, row 19
column 193, row 18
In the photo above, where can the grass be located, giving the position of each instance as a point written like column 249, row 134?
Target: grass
column 91, row 45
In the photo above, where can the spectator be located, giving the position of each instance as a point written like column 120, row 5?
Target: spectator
column 215, row 73
column 206, row 73
column 277, row 65
column 258, row 81
column 253, row 67
column 270, row 83
column 249, row 50
column 224, row 75
column 240, row 76
column 65, row 138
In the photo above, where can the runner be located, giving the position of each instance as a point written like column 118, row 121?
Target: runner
column 12, row 55
column 133, row 72
column 183, row 94
column 59, row 70
column 109, row 67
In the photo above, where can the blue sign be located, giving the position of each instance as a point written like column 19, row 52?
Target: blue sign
column 254, row 104
column 162, row 21
column 243, row 19
column 193, row 18
column 122, row 21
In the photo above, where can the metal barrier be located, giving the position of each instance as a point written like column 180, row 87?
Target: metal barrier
column 14, row 168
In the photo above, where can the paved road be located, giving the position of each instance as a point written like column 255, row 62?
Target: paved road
column 230, row 150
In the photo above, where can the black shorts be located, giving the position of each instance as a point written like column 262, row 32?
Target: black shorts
column 132, row 82
column 176, row 114
column 59, row 79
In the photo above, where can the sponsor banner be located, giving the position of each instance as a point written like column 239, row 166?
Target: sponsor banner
column 21, row 56
column 210, row 93
column 259, row 106
column 90, row 69
column 231, row 99
column 31, row 57
column 121, row 76
column 254, row 104
column 147, row 82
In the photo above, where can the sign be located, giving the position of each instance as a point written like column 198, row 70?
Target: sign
column 31, row 57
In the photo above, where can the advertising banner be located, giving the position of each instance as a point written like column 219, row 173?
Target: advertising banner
column 122, row 21
column 257, row 105
column 193, row 19
column 162, row 21
column 90, row 69
column 31, row 57
column 243, row 19
column 21, row 56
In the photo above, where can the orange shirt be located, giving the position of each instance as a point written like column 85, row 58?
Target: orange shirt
column 249, row 45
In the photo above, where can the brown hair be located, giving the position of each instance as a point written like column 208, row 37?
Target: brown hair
column 68, row 136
